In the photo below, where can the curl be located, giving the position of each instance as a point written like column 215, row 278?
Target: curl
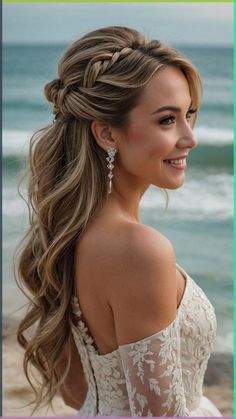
column 101, row 76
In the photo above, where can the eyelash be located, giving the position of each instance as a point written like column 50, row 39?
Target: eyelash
column 171, row 117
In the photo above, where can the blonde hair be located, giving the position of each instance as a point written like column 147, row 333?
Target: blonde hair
column 101, row 76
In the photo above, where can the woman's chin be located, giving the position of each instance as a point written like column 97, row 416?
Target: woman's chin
column 177, row 186
column 171, row 185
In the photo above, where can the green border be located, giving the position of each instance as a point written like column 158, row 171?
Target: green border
column 118, row 1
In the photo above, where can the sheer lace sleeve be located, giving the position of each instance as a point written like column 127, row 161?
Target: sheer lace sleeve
column 152, row 368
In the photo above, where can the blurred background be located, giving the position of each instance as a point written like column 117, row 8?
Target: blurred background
column 199, row 220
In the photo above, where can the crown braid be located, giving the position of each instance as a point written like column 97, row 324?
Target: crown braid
column 56, row 92
column 88, row 84
column 99, row 64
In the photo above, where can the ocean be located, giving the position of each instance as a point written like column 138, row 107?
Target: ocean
column 199, row 219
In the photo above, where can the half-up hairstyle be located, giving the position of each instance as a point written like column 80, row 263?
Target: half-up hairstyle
column 100, row 77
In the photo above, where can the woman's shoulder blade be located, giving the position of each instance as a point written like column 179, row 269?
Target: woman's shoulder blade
column 121, row 239
column 143, row 287
column 146, row 239
column 139, row 245
column 126, row 254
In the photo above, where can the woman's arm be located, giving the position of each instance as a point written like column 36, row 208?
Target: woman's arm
column 74, row 388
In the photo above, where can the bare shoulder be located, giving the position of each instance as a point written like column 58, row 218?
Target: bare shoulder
column 147, row 241
column 140, row 246
column 143, row 284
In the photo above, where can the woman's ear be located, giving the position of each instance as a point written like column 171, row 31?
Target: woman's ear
column 103, row 135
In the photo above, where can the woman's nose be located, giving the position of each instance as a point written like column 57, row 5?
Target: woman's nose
column 187, row 137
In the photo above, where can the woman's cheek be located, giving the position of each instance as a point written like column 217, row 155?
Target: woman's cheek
column 166, row 144
column 158, row 149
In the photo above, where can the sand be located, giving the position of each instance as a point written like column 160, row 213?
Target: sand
column 218, row 383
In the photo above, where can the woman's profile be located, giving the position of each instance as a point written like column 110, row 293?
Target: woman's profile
column 116, row 325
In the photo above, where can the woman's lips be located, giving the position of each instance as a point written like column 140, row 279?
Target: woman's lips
column 179, row 164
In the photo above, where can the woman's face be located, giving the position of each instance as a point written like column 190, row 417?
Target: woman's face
column 155, row 145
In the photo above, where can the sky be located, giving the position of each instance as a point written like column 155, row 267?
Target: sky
column 176, row 23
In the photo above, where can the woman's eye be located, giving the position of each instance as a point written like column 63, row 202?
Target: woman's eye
column 167, row 120
column 189, row 114
column 170, row 119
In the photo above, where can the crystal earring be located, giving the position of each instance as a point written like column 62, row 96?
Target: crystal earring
column 111, row 153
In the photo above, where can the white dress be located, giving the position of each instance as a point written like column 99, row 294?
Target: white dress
column 160, row 375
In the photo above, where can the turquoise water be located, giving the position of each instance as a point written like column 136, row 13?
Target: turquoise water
column 199, row 220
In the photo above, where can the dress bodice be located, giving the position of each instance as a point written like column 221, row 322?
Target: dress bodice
column 160, row 375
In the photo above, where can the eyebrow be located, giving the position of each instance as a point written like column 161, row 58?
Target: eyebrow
column 169, row 108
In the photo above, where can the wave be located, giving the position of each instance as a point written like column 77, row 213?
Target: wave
column 214, row 136
column 16, row 142
column 224, row 342
column 28, row 105
column 208, row 197
column 217, row 107
column 220, row 156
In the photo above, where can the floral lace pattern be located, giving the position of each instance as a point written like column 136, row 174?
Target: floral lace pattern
column 153, row 374
column 160, row 375
column 84, row 345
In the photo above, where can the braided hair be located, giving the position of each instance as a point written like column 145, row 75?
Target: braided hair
column 100, row 77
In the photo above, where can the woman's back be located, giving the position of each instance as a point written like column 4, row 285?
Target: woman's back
column 96, row 257
column 91, row 253
column 154, row 366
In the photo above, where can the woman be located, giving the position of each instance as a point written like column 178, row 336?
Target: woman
column 121, row 328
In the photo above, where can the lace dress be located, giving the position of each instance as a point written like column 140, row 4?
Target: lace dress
column 160, row 375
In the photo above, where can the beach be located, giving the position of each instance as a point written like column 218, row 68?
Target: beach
column 218, row 382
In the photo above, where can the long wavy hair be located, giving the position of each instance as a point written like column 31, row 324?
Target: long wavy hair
column 100, row 77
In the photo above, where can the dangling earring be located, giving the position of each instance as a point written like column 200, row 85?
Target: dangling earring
column 111, row 153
